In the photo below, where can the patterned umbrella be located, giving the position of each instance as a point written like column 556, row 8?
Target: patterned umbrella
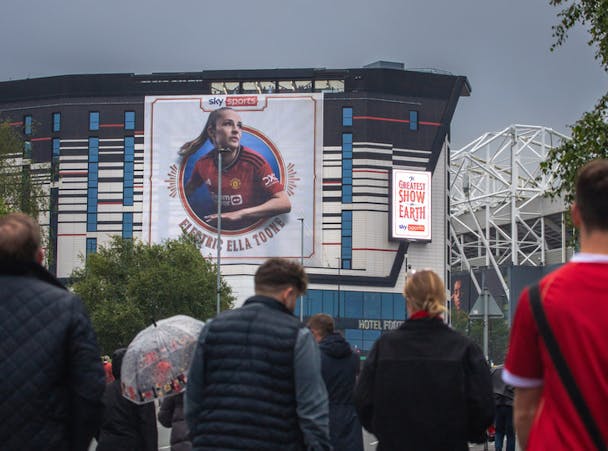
column 157, row 360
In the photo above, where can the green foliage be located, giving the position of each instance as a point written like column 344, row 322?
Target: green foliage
column 498, row 333
column 17, row 192
column 593, row 14
column 589, row 141
column 128, row 284
column 590, row 133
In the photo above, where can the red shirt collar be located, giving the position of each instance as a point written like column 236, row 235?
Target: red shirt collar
column 420, row 314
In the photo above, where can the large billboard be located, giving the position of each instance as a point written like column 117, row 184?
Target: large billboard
column 410, row 205
column 269, row 149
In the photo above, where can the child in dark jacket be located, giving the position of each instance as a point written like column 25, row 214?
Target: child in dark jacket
column 171, row 415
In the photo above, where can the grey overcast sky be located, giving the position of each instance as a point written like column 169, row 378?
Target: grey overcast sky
column 502, row 46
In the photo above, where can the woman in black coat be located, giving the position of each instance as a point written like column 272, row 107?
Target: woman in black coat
column 171, row 415
column 126, row 426
column 425, row 386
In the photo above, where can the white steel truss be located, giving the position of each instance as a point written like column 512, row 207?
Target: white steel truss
column 499, row 213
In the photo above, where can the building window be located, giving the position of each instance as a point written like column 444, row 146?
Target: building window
column 347, row 168
column 129, row 120
column 128, row 169
column 56, row 122
column 55, row 159
column 347, row 117
column 93, row 184
column 94, row 120
column 346, row 256
column 413, row 120
column 56, row 147
column 91, row 246
column 27, row 125
column 127, row 225
column 27, row 150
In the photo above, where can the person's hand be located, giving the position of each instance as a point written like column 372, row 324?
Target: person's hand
column 229, row 217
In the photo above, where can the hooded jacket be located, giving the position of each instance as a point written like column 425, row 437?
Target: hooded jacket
column 339, row 367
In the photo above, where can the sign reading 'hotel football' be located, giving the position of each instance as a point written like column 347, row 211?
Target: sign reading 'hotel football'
column 410, row 205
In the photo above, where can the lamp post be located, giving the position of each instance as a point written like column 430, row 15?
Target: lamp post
column 219, row 226
column 301, row 263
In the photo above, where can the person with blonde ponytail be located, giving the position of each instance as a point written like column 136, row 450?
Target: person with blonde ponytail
column 425, row 386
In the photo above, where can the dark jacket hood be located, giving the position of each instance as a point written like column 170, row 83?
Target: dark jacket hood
column 117, row 357
column 335, row 346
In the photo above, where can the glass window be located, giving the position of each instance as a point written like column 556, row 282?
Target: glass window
column 129, row 120
column 330, row 302
column 127, row 225
column 413, row 120
column 56, row 122
column 347, row 116
column 56, row 147
column 387, row 305
column 353, row 306
column 347, row 145
column 93, row 150
column 354, row 337
column 372, row 308
column 369, row 337
column 27, row 124
column 94, row 120
column 398, row 306
column 91, row 245
column 91, row 222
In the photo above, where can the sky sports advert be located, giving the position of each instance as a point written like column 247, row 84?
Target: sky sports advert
column 410, row 205
column 269, row 151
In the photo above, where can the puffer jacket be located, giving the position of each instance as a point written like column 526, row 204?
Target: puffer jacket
column 339, row 366
column 52, row 375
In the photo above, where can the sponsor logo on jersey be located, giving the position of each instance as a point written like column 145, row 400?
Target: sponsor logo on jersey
column 270, row 179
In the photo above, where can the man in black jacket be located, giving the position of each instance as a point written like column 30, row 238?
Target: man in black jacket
column 255, row 380
column 53, row 379
column 339, row 367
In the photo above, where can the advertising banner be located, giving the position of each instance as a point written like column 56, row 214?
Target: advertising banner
column 410, row 205
column 270, row 152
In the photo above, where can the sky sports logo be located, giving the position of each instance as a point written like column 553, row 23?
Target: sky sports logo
column 233, row 101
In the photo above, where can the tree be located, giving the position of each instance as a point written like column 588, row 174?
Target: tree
column 590, row 133
column 128, row 284
column 18, row 192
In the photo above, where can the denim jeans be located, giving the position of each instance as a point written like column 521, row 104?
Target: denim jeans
column 504, row 427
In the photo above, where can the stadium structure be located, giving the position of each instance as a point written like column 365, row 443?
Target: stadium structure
column 505, row 232
column 362, row 153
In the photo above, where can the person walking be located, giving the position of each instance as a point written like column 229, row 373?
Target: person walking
column 339, row 367
column 503, row 398
column 424, row 386
column 574, row 299
column 126, row 426
column 53, row 379
column 171, row 415
column 255, row 380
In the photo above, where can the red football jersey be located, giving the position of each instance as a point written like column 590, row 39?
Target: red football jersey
column 575, row 300
column 246, row 182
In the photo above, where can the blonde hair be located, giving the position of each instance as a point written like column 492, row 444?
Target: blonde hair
column 424, row 290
